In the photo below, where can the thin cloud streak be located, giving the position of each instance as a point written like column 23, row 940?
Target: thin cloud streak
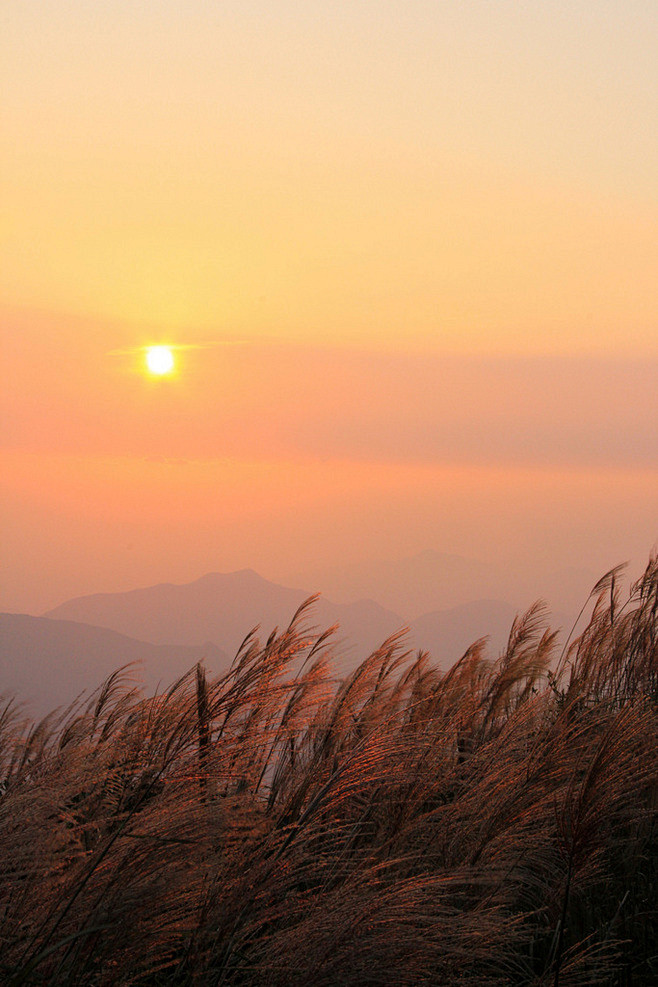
column 178, row 347
column 303, row 403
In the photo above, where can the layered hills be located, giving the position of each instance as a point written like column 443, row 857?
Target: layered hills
column 167, row 628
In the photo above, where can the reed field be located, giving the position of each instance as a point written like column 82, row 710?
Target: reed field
column 494, row 823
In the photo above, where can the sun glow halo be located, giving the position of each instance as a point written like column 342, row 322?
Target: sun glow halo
column 159, row 360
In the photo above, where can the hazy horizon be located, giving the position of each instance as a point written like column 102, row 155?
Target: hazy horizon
column 409, row 586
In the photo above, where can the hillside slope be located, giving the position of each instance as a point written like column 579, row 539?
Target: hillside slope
column 47, row 663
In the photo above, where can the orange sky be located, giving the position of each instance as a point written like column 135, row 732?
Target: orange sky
column 408, row 251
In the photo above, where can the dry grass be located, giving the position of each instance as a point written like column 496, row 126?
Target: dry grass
column 495, row 824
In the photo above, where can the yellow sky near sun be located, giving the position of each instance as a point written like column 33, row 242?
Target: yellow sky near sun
column 468, row 176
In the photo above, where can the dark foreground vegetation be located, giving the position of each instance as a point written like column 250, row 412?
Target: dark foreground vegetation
column 495, row 824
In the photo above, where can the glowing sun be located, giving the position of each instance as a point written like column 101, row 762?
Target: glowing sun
column 159, row 360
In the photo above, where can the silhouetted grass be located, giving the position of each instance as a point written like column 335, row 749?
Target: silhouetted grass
column 493, row 824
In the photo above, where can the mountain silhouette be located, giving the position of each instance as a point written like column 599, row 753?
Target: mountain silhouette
column 432, row 581
column 47, row 663
column 223, row 608
column 446, row 634
column 168, row 628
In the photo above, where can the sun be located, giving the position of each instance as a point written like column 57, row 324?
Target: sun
column 159, row 360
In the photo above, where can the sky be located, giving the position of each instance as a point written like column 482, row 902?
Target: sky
column 405, row 254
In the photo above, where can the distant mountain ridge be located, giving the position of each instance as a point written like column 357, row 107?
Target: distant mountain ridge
column 50, row 659
column 431, row 581
column 223, row 608
column 47, row 663
column 446, row 634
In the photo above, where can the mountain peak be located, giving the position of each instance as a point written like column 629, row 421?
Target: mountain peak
column 222, row 608
column 215, row 577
